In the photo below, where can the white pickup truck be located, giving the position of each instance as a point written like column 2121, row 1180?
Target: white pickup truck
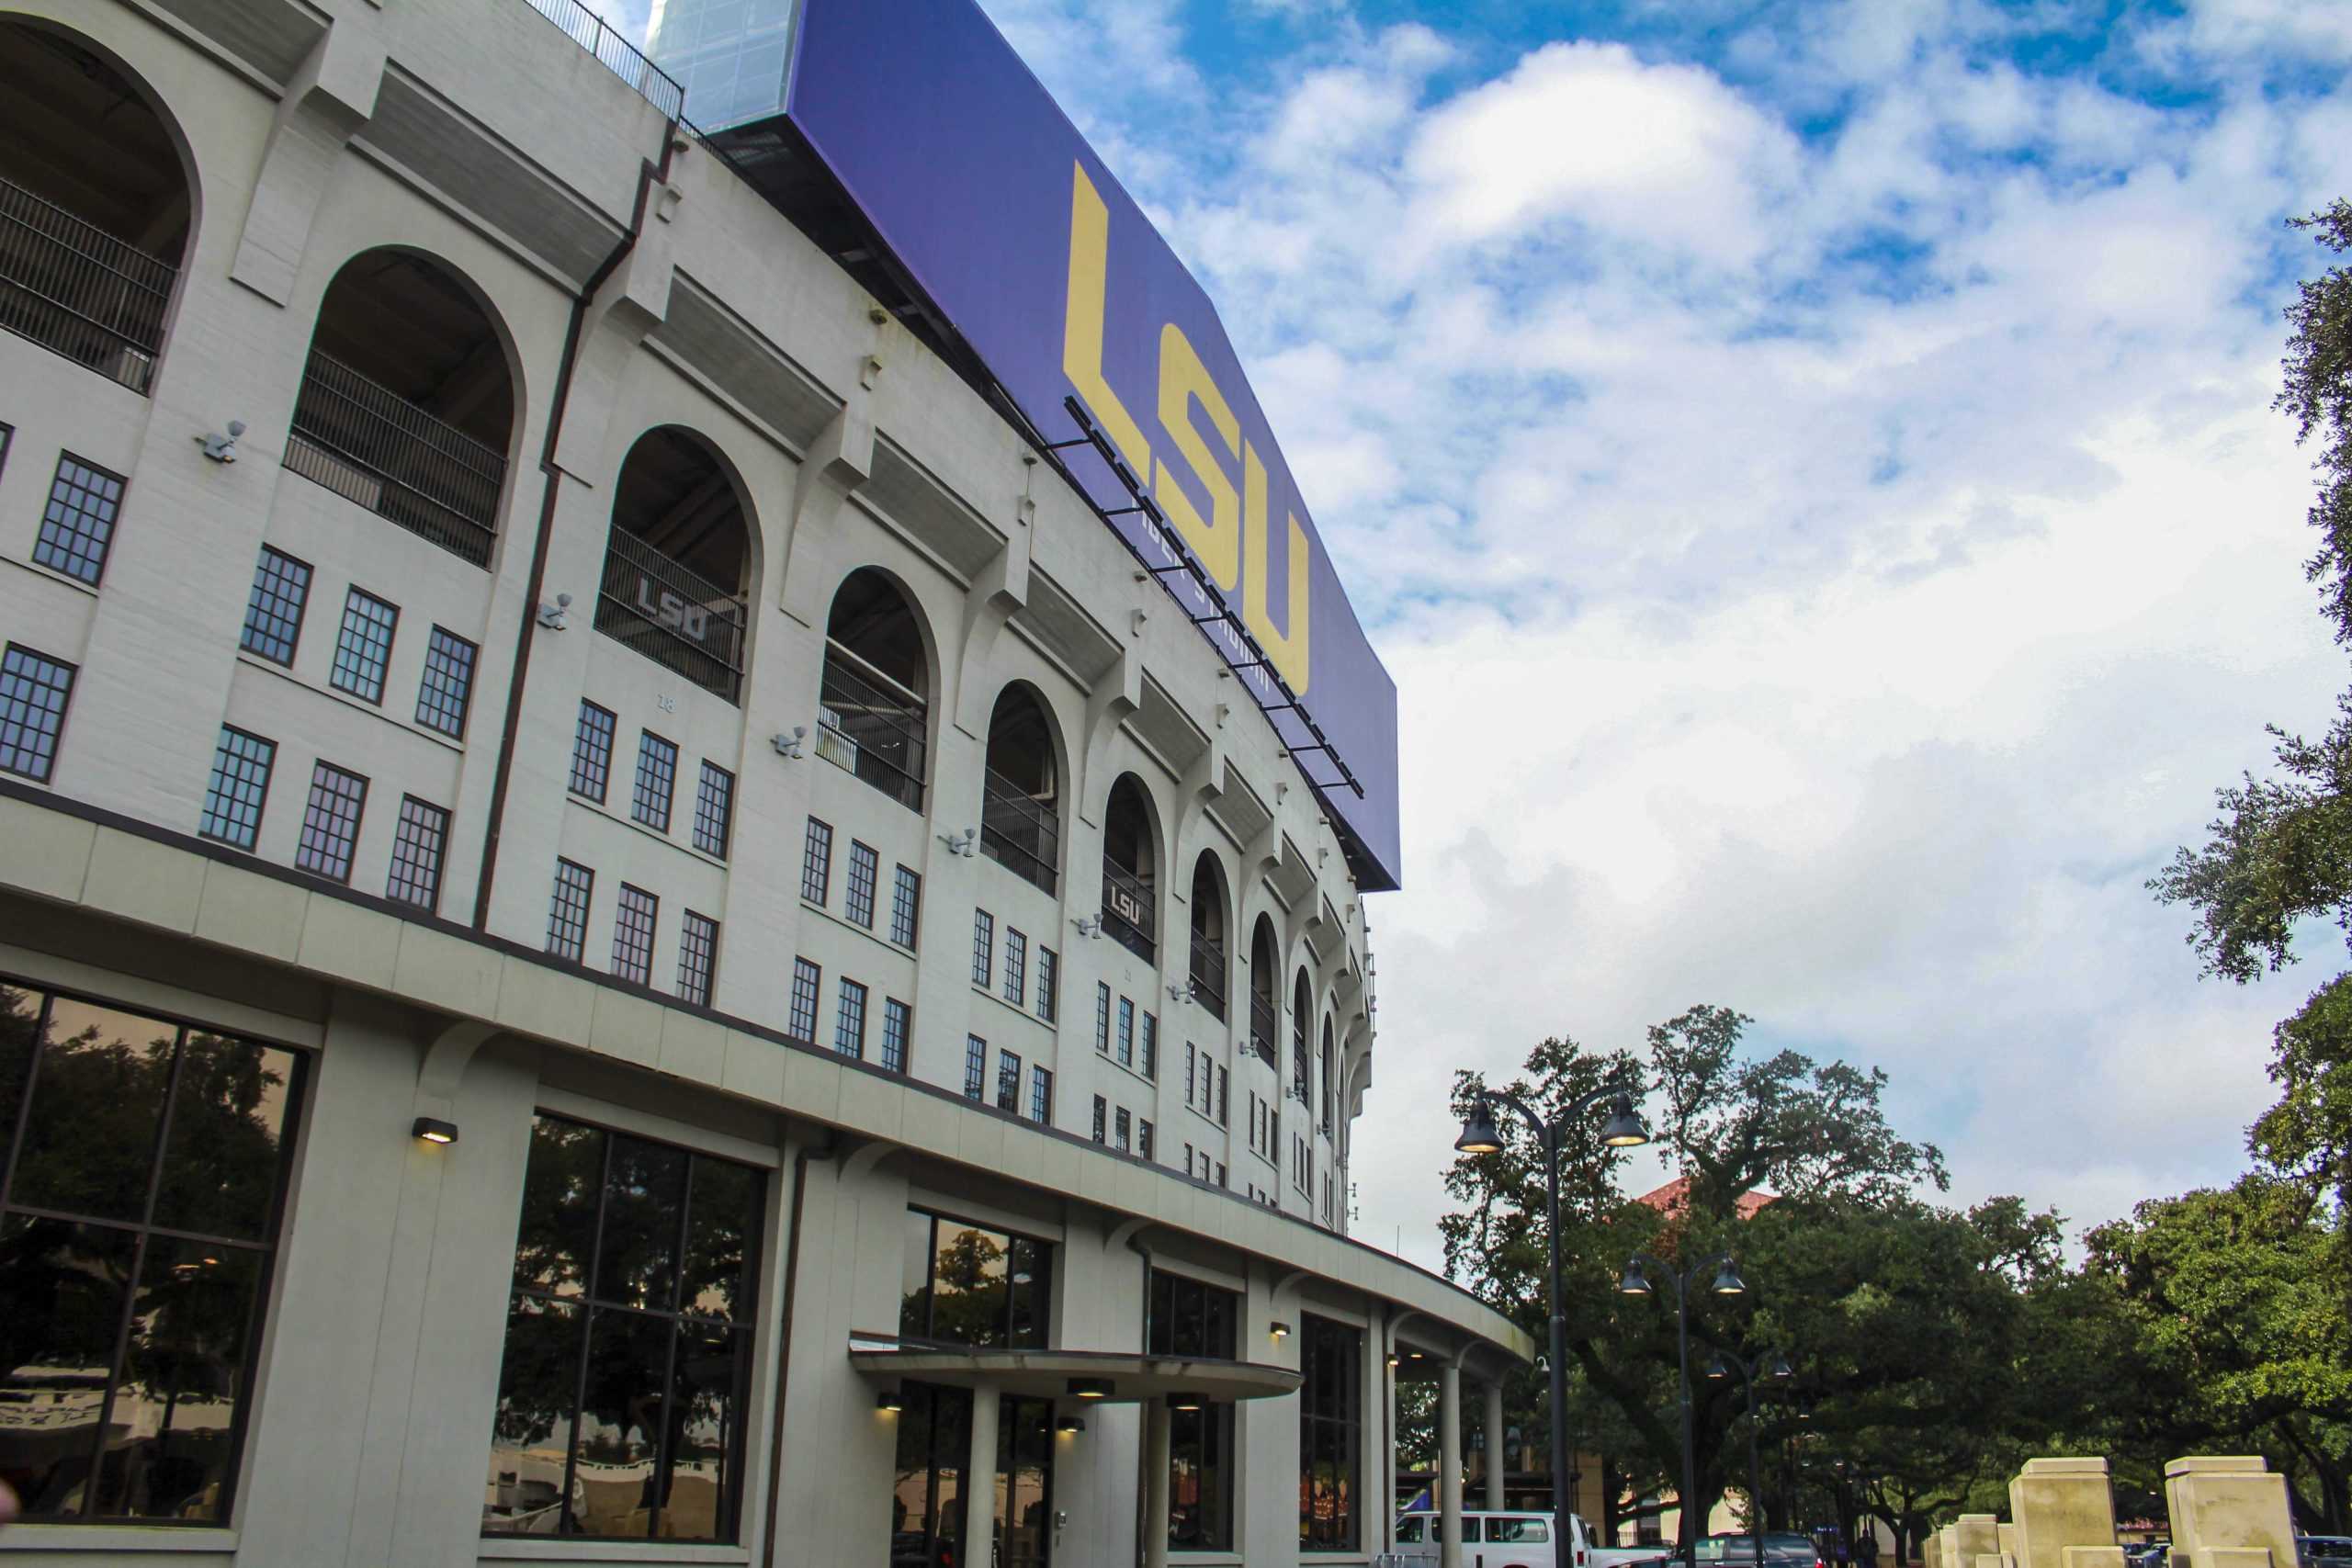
column 1490, row 1540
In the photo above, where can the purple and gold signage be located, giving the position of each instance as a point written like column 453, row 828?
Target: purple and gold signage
column 1004, row 217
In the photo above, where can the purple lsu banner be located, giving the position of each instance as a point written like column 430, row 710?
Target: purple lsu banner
column 990, row 200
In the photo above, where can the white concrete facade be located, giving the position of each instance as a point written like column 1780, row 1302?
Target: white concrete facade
column 634, row 282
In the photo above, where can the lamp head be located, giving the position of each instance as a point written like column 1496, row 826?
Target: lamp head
column 1717, row 1368
column 1479, row 1133
column 1727, row 1281
column 1778, row 1367
column 1623, row 1130
column 1635, row 1281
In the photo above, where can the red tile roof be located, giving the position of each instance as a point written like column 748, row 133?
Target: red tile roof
column 1675, row 1196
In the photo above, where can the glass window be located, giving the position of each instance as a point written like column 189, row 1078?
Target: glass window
column 1144, row 1145
column 1122, row 1130
column 865, row 869
column 1330, row 1433
column 714, row 811
column 1008, row 1081
column 362, row 647
column 1102, row 1117
column 849, row 1022
column 975, row 1066
column 1102, row 1017
column 1504, row 1531
column 1126, row 1032
column 592, row 752
column 448, row 684
column 1151, row 1046
column 330, row 821
column 1016, row 966
column 906, row 902
column 1049, row 981
column 627, row 1364
column 568, row 913
column 657, row 774
column 238, row 788
column 966, row 1284
column 806, row 978
column 78, row 525
column 816, row 861
column 274, row 609
column 897, row 1021
column 1189, row 1318
column 144, row 1172
column 698, row 957
column 34, row 690
column 634, row 917
column 418, row 843
column 983, row 947
column 1041, row 1095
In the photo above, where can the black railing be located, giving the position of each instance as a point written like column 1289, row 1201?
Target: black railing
column 868, row 729
column 370, row 445
column 75, row 289
column 618, row 55
column 672, row 615
column 1020, row 832
column 1262, row 1028
column 1208, row 976
column 1128, row 911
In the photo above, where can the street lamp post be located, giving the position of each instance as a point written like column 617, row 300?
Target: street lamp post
column 1623, row 1130
column 1727, row 1282
column 1777, row 1369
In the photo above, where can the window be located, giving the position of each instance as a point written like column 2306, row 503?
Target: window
column 448, row 684
column 1330, row 1433
column 983, row 947
column 1007, row 1082
column 975, row 1066
column 1190, row 1319
column 1102, row 1017
column 1122, row 1130
column 714, row 809
column 330, row 821
column 274, row 609
column 1221, row 1180
column 1126, row 1032
column 906, row 902
column 1016, row 966
column 34, row 690
column 592, row 752
column 1151, row 1046
column 419, row 842
column 898, row 1023
column 568, row 915
column 963, row 1284
column 629, row 1349
column 1223, row 1103
column 657, row 774
column 239, row 786
column 633, row 921
column 363, row 648
column 1041, row 1096
column 78, row 525
column 1191, row 1068
column 698, row 957
column 816, row 861
column 1049, row 980
column 1144, row 1145
column 865, row 867
column 1102, row 1117
column 145, row 1166
column 849, row 1022
column 801, row 1024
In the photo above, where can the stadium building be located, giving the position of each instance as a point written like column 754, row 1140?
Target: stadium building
column 684, row 812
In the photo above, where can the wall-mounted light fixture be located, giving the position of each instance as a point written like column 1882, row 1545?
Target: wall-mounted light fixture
column 791, row 745
column 1090, row 1388
column 1279, row 1329
column 888, row 1402
column 433, row 1131
column 1069, row 1426
column 1392, row 1360
column 1089, row 927
column 223, row 448
column 1187, row 1400
column 964, row 843
column 552, row 615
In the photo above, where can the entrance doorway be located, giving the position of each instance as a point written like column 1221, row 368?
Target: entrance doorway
column 927, row 1496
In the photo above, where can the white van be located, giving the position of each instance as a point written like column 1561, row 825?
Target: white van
column 1493, row 1539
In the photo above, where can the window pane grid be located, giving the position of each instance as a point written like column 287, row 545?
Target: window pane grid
column 975, row 1066
column 77, row 524
column 906, row 901
column 849, row 1022
column 418, row 843
column 698, row 957
column 1048, row 982
column 1008, row 1081
column 362, row 647
column 656, row 775
column 592, row 752
column 983, row 947
column 1016, row 966
column 1126, row 1032
column 568, row 913
column 806, row 979
column 1041, row 1095
column 448, row 684
column 865, row 867
column 816, row 861
column 239, row 787
column 34, row 690
column 714, row 809
column 274, row 609
column 634, row 917
column 897, row 1021
column 330, row 821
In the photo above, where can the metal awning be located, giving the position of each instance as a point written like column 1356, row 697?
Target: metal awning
column 1047, row 1374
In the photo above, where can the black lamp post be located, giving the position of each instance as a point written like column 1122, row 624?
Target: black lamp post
column 1727, row 1282
column 1623, row 1130
column 1776, row 1368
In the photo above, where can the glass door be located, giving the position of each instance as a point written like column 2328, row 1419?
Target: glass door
column 1024, row 1484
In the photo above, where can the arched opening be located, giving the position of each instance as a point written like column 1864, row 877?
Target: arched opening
column 872, row 710
column 1021, row 822
column 1262, row 964
column 678, row 561
column 408, row 400
column 94, row 206
column 1129, row 911
column 1208, row 969
column 1302, row 1021
column 1331, row 1079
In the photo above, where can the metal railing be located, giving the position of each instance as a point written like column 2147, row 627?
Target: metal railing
column 1208, row 976
column 870, row 730
column 1262, row 1028
column 617, row 55
column 368, row 443
column 76, row 291
column 672, row 615
column 1020, row 832
column 1127, row 915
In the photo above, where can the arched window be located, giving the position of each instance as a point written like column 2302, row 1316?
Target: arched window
column 408, row 400
column 1262, row 963
column 1020, row 821
column 94, row 206
column 873, row 709
column 1129, row 911
column 677, row 563
column 1330, row 1078
column 1208, row 969
column 1301, row 1021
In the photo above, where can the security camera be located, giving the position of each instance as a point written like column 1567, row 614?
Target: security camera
column 223, row 448
column 790, row 745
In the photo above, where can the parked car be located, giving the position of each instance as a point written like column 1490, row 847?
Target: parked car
column 1782, row 1549
column 1490, row 1540
column 2323, row 1551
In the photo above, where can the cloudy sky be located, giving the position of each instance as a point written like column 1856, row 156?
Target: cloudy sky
column 1809, row 469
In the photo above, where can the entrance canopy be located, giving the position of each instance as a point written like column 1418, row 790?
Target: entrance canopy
column 1045, row 1374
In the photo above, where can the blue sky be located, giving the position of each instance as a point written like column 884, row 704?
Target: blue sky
column 1809, row 467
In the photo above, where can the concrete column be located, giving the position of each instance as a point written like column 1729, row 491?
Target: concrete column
column 2229, row 1513
column 1496, row 1456
column 1156, row 1423
column 1978, row 1535
column 1448, row 1464
column 1948, row 1547
column 979, row 1480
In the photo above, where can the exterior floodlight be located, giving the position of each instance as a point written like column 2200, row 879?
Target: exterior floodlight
column 1479, row 1133
column 1778, row 1367
column 433, row 1131
column 1279, row 1329
column 1187, row 1400
column 1090, row 1388
column 1623, row 1130
column 888, row 1402
column 1727, row 1281
column 1635, row 1283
